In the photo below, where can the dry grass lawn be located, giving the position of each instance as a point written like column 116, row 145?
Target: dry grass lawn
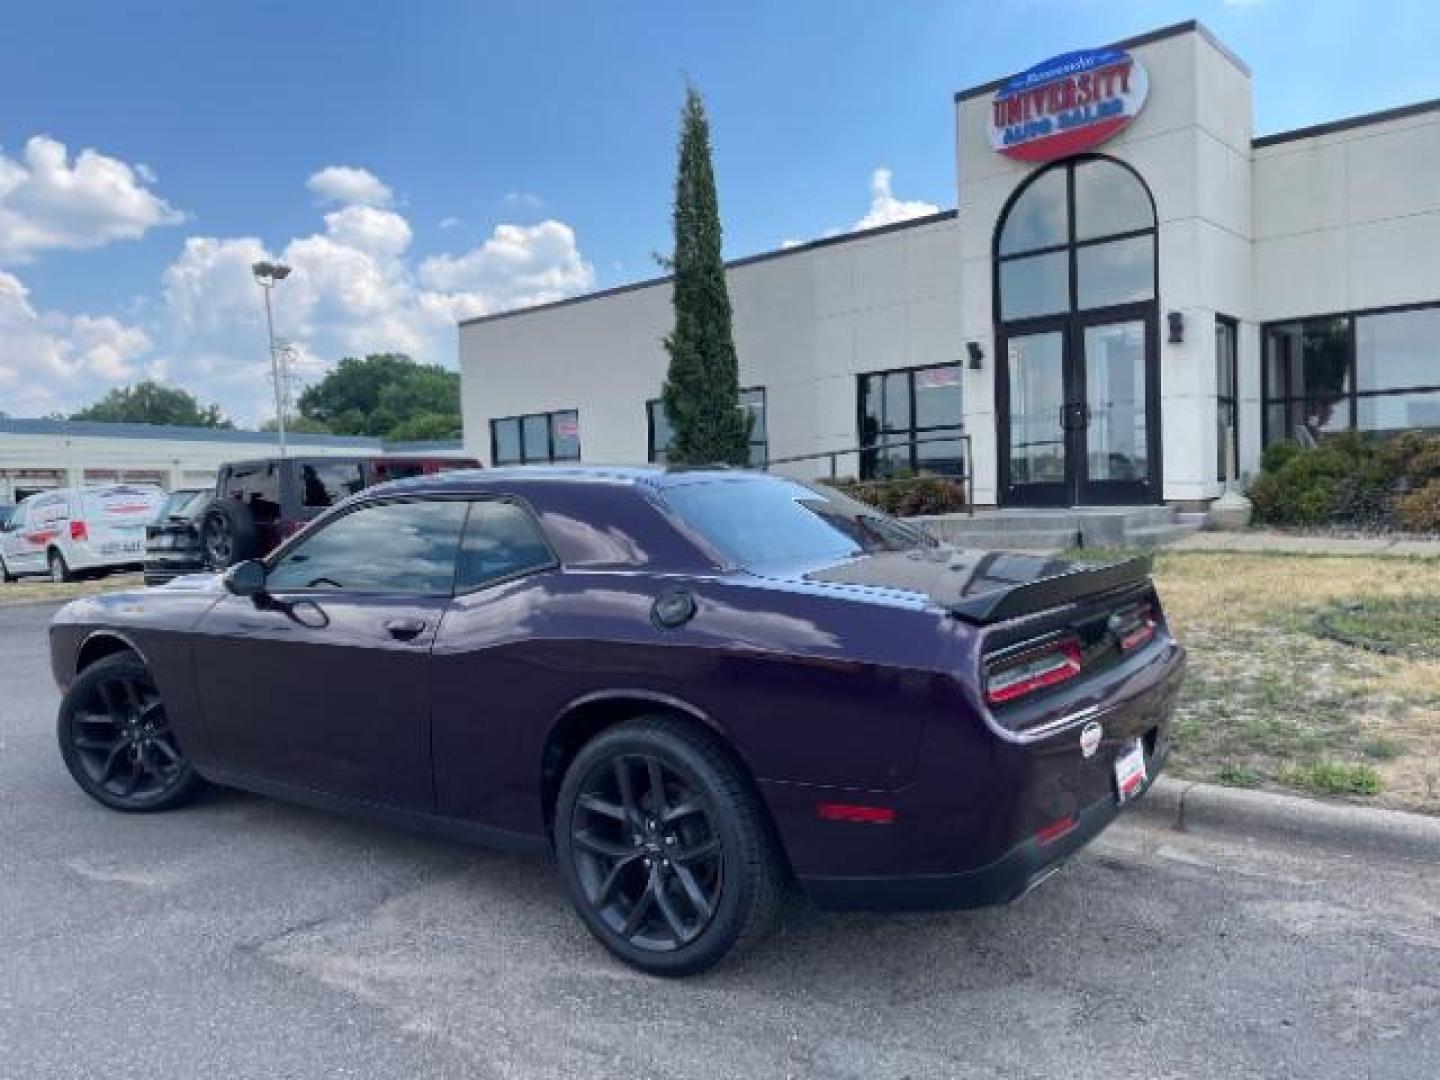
column 29, row 589
column 1273, row 701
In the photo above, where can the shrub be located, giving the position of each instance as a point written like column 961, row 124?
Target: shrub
column 1347, row 479
column 908, row 497
column 1420, row 509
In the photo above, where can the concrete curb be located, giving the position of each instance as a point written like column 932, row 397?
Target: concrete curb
column 1190, row 806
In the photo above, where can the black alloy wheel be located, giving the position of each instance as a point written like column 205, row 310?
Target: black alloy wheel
column 116, row 739
column 664, row 847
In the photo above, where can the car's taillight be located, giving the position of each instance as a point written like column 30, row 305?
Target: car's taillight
column 79, row 531
column 1011, row 677
column 1134, row 628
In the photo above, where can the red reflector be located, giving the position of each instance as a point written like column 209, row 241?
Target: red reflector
column 1056, row 829
column 1033, row 671
column 855, row 813
column 78, row 530
column 290, row 528
column 1141, row 632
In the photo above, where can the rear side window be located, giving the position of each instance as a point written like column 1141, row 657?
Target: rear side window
column 501, row 540
column 325, row 483
column 258, row 487
column 399, row 547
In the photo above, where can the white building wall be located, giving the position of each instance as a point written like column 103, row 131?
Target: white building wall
column 807, row 322
column 1348, row 220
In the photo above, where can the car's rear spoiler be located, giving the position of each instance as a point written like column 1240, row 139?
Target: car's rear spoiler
column 1050, row 592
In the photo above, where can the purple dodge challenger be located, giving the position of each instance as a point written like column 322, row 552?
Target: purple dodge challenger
column 691, row 687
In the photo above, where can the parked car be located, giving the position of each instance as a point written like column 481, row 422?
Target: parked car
column 172, row 539
column 259, row 503
column 71, row 531
column 689, row 687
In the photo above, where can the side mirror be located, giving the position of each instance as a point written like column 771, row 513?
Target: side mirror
column 246, row 579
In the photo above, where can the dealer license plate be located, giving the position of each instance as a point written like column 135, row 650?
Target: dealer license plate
column 1130, row 771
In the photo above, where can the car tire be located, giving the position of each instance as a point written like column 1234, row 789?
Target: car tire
column 5, row 575
column 115, row 739
column 670, row 886
column 227, row 534
column 60, row 571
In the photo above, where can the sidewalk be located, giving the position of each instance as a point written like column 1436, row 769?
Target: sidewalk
column 1270, row 541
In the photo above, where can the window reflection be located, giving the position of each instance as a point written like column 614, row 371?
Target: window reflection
column 1038, row 218
column 1118, row 272
column 1035, row 285
column 1109, row 199
column 400, row 547
column 1115, row 391
column 501, row 540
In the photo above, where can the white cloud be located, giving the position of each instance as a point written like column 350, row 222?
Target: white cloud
column 348, row 185
column 381, row 232
column 49, row 202
column 523, row 200
column 885, row 209
column 518, row 265
column 355, row 287
column 53, row 361
column 450, row 222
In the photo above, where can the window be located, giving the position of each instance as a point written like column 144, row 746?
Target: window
column 537, row 437
column 1373, row 372
column 769, row 521
column 753, row 402
column 662, row 435
column 501, row 540
column 1397, row 371
column 257, row 485
column 325, row 483
column 1079, row 236
column 1227, row 396
column 398, row 547
column 910, row 422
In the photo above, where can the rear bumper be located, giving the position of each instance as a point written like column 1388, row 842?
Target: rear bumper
column 1008, row 878
column 160, row 570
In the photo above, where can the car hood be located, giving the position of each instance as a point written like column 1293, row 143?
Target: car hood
column 975, row 585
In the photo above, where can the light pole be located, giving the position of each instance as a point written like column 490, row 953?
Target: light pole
column 266, row 275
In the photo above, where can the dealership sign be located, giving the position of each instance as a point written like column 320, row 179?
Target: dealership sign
column 1067, row 104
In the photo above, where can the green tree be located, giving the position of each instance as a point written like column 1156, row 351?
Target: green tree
column 150, row 403
column 297, row 424
column 702, row 387
column 426, row 426
column 382, row 393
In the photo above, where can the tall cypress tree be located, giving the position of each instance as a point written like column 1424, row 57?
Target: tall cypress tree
column 702, row 387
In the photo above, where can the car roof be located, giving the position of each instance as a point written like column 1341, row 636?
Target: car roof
column 656, row 477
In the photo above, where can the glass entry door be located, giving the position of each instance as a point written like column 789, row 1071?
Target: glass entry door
column 1079, row 412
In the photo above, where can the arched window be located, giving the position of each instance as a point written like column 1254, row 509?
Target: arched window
column 1077, row 237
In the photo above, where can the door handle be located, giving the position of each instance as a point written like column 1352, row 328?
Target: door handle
column 404, row 629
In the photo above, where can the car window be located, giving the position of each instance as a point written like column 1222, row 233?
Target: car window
column 501, row 539
column 765, row 522
column 257, row 485
column 399, row 547
column 325, row 483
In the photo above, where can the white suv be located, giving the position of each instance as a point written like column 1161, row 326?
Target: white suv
column 70, row 530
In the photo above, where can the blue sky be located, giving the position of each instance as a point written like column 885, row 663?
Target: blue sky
column 511, row 152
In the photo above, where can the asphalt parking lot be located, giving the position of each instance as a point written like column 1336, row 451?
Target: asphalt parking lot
column 243, row 938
